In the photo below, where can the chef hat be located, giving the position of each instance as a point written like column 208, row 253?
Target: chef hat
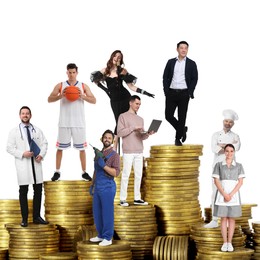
column 230, row 114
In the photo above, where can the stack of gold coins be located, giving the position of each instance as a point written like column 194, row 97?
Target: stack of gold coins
column 172, row 185
column 210, row 239
column 256, row 239
column 130, row 187
column 69, row 205
column 84, row 233
column 137, row 225
column 30, row 242
column 10, row 213
column 59, row 256
column 170, row 247
column 3, row 253
column 238, row 254
column 119, row 250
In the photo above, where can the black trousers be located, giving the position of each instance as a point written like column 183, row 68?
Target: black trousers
column 177, row 99
column 37, row 200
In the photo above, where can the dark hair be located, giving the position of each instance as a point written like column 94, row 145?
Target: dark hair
column 229, row 145
column 182, row 42
column 134, row 97
column 25, row 107
column 72, row 66
column 110, row 61
column 107, row 132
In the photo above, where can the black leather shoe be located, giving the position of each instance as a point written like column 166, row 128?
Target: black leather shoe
column 24, row 223
column 40, row 220
column 178, row 142
column 184, row 136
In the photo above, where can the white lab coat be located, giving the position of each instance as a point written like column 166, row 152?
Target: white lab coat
column 17, row 145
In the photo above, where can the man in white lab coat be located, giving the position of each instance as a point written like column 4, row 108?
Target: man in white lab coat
column 28, row 164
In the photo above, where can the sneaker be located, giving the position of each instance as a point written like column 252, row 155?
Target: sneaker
column 105, row 242
column 86, row 177
column 55, row 176
column 212, row 224
column 224, row 247
column 230, row 248
column 123, row 203
column 140, row 202
column 96, row 239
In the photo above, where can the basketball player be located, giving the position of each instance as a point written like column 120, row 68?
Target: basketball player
column 72, row 119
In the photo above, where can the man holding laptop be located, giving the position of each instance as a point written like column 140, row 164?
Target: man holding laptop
column 131, row 128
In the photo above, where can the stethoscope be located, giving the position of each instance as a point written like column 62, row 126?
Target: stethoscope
column 20, row 129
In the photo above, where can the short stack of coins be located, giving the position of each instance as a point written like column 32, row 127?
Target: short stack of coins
column 209, row 241
column 172, row 185
column 119, row 250
column 137, row 225
column 10, row 213
column 59, row 256
column 130, row 187
column 256, row 239
column 171, row 247
column 69, row 205
column 30, row 242
column 84, row 233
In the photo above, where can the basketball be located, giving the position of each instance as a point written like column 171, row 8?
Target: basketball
column 72, row 93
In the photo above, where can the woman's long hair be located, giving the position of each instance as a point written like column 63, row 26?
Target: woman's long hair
column 110, row 61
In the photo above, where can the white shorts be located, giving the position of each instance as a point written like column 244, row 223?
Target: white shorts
column 78, row 135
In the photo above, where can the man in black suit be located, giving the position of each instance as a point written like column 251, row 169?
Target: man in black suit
column 179, row 81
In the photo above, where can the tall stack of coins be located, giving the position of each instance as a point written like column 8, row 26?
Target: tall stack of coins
column 209, row 241
column 172, row 185
column 256, row 238
column 119, row 250
column 130, row 188
column 137, row 225
column 59, row 256
column 171, row 247
column 10, row 213
column 30, row 242
column 69, row 205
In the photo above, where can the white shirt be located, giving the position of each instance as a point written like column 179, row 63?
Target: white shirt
column 223, row 138
column 178, row 79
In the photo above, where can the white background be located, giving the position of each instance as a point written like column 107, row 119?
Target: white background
column 39, row 38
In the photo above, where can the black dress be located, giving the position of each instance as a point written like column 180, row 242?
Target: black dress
column 118, row 94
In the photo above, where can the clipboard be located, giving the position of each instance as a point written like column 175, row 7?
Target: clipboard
column 34, row 148
column 154, row 126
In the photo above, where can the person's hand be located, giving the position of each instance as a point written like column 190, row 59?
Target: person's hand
column 28, row 154
column 38, row 158
column 101, row 162
column 227, row 197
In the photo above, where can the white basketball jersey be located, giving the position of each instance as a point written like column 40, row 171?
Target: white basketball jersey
column 72, row 114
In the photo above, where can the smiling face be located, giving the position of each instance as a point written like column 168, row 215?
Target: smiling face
column 107, row 140
column 117, row 59
column 227, row 124
column 182, row 50
column 229, row 152
column 25, row 115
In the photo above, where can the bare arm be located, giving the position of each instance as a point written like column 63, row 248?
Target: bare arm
column 55, row 94
column 88, row 95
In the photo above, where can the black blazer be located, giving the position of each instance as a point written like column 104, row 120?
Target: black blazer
column 191, row 75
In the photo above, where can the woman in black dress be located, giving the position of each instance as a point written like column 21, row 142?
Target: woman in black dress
column 113, row 76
